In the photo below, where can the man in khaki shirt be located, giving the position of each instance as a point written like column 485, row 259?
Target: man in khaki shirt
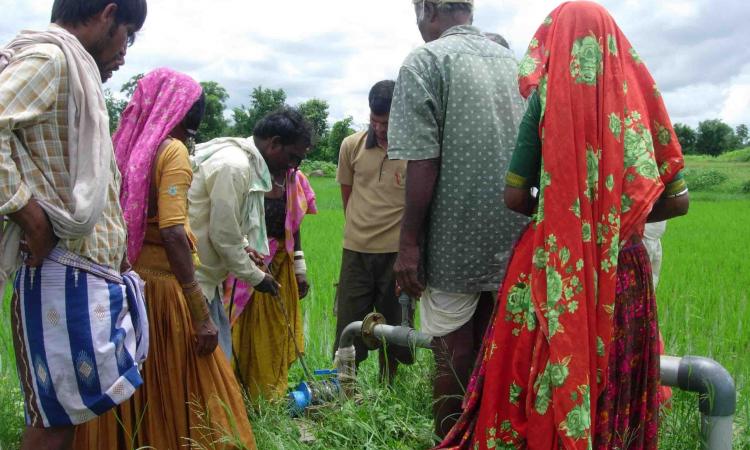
column 372, row 190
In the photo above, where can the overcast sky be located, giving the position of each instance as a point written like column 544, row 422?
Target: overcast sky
column 697, row 50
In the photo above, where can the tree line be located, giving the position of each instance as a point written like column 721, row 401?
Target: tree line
column 327, row 139
column 712, row 137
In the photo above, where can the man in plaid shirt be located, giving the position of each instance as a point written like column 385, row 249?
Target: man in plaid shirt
column 76, row 325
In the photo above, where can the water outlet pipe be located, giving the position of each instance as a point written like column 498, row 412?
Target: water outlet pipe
column 717, row 395
column 704, row 376
column 374, row 331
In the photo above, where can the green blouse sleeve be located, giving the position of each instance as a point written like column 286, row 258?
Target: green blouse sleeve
column 525, row 164
column 526, row 161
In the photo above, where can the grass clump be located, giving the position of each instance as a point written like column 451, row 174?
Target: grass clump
column 742, row 155
column 375, row 417
column 703, row 180
column 328, row 169
column 11, row 403
column 725, row 175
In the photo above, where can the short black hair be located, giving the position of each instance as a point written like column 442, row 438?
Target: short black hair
column 381, row 96
column 78, row 12
column 286, row 123
column 194, row 116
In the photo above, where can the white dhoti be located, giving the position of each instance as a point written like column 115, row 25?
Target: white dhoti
column 442, row 312
column 652, row 241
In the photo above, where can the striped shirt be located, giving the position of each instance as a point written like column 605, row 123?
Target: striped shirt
column 34, row 97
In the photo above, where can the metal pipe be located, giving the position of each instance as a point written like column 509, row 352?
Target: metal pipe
column 405, row 336
column 669, row 366
column 405, row 301
column 713, row 383
column 350, row 332
column 717, row 395
column 373, row 331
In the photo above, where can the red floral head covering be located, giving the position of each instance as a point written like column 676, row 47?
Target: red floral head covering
column 591, row 80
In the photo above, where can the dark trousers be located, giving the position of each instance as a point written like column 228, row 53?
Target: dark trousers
column 367, row 284
column 455, row 355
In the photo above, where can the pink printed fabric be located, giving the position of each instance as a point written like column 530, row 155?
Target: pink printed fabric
column 160, row 102
column 300, row 200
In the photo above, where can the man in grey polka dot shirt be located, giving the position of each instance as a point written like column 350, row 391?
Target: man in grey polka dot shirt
column 455, row 115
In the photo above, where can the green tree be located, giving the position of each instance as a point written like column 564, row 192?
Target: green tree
column 262, row 102
column 214, row 123
column 316, row 112
column 339, row 131
column 714, row 137
column 686, row 136
column 129, row 87
column 115, row 107
column 742, row 135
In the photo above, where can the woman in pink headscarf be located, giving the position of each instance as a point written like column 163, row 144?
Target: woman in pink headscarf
column 189, row 393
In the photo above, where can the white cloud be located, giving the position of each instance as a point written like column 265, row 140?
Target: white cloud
column 693, row 103
column 736, row 108
column 336, row 50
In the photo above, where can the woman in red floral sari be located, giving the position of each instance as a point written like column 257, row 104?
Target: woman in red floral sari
column 571, row 358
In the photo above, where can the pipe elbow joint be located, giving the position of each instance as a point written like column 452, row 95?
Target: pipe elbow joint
column 350, row 332
column 718, row 396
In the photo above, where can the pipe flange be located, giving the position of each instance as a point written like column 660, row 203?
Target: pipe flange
column 368, row 327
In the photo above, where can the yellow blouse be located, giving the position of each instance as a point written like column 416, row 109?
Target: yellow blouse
column 168, row 203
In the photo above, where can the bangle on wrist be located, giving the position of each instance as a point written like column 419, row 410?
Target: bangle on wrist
column 300, row 267
column 198, row 305
column 196, row 301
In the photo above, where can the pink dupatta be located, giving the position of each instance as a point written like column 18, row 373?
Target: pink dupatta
column 159, row 103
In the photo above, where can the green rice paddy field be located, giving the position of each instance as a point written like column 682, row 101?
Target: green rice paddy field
column 703, row 310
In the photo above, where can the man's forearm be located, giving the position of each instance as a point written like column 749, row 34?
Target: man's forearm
column 421, row 179
column 31, row 218
column 239, row 262
column 37, row 231
column 228, row 240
